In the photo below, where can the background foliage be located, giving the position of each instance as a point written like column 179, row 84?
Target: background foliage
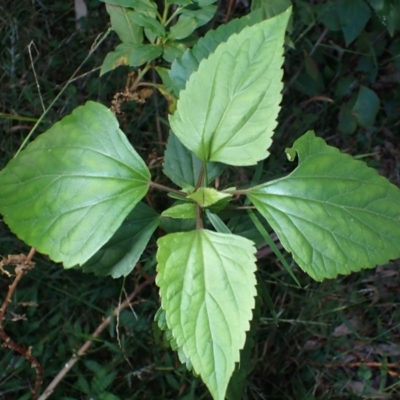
column 337, row 339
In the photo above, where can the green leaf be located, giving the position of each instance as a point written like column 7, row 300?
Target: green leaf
column 166, row 88
column 183, row 167
column 164, row 75
column 206, row 197
column 207, row 288
column 202, row 15
column 161, row 320
column 183, row 67
column 348, row 16
column 143, row 53
column 179, row 2
column 270, row 8
column 172, row 225
column 172, row 50
column 329, row 15
column 247, row 359
column 220, row 205
column 388, row 11
column 334, row 214
column 347, row 120
column 126, row 29
column 184, row 211
column 139, row 5
column 353, row 15
column 217, row 222
column 120, row 254
column 271, row 244
column 183, row 28
column 114, row 59
column 69, row 190
column 228, row 110
column 204, row 3
column 130, row 54
column 366, row 107
column 147, row 22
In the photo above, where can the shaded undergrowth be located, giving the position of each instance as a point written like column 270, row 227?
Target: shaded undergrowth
column 331, row 340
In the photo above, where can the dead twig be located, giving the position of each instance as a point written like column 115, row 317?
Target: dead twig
column 49, row 390
column 22, row 265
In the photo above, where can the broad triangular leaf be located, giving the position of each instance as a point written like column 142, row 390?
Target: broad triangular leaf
column 229, row 107
column 120, row 254
column 348, row 16
column 353, row 16
column 184, row 66
column 333, row 213
column 69, row 190
column 207, row 288
column 183, row 167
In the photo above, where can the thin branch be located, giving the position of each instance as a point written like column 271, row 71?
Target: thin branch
column 167, row 189
column 94, row 47
column 49, row 390
column 199, row 219
column 22, row 265
column 34, row 72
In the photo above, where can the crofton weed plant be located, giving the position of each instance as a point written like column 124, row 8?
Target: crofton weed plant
column 75, row 193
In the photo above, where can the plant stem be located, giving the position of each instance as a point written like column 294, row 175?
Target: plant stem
column 165, row 13
column 173, row 15
column 200, row 180
column 167, row 189
column 199, row 219
column 141, row 73
column 237, row 192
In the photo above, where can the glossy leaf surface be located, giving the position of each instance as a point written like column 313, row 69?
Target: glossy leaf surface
column 207, row 288
column 118, row 257
column 184, row 66
column 228, row 110
column 333, row 213
column 70, row 189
